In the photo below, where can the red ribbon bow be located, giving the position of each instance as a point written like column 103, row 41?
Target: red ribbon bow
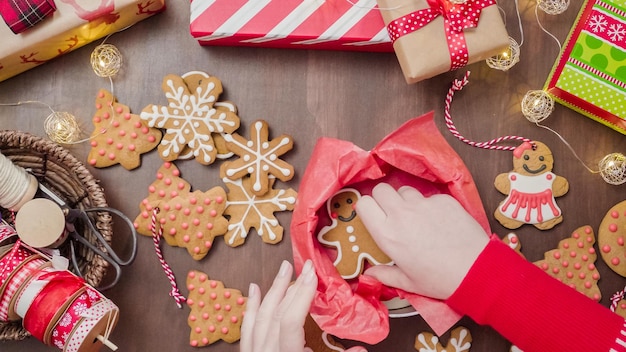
column 457, row 18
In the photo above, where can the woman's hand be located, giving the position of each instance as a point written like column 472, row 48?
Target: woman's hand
column 433, row 241
column 277, row 323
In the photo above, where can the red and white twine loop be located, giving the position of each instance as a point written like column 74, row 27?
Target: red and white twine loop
column 616, row 298
column 458, row 85
column 157, row 233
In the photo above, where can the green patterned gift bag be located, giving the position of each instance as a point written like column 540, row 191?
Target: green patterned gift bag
column 590, row 74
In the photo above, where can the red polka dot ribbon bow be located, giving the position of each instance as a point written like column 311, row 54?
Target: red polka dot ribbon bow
column 457, row 18
column 20, row 15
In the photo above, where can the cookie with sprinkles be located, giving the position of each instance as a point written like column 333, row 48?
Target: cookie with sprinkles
column 216, row 311
column 168, row 184
column 573, row 263
column 194, row 220
column 119, row 137
column 611, row 237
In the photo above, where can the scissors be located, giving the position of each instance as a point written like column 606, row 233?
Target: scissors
column 73, row 216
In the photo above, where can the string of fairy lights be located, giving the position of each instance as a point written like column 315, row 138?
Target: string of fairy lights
column 536, row 106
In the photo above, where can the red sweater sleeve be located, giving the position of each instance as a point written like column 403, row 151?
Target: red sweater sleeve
column 533, row 310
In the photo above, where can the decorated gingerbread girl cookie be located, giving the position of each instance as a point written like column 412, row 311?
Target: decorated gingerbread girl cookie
column 531, row 189
column 348, row 234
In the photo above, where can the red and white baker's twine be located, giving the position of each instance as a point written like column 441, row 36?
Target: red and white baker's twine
column 458, row 85
column 618, row 296
column 157, row 233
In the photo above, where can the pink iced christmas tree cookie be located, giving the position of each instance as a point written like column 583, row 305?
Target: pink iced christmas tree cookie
column 119, row 137
column 573, row 263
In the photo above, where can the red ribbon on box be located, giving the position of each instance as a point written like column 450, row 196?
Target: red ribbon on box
column 23, row 14
column 457, row 18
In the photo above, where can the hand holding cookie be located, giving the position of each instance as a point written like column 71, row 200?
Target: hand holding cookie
column 433, row 241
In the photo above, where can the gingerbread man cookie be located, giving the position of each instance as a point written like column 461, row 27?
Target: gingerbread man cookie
column 348, row 234
column 531, row 189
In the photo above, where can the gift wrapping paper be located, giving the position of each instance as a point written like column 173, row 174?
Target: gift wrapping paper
column 301, row 24
column 590, row 74
column 425, row 52
column 74, row 24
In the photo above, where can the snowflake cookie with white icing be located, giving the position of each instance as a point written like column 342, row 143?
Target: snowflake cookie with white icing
column 258, row 157
column 191, row 117
column 247, row 210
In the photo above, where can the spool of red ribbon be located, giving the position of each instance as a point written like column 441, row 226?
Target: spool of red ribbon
column 50, row 302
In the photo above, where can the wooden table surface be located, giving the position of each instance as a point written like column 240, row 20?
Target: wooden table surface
column 359, row 97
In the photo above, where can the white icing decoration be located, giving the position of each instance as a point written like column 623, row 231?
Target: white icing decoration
column 350, row 229
column 352, row 238
column 529, row 185
column 337, row 244
column 330, row 345
column 185, row 114
column 266, row 225
column 260, row 156
column 355, row 248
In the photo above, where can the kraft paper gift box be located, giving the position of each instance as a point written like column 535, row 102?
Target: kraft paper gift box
column 423, row 52
column 73, row 24
column 295, row 24
column 590, row 74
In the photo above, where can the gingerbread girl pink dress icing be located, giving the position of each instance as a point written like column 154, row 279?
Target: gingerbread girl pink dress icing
column 531, row 189
column 347, row 233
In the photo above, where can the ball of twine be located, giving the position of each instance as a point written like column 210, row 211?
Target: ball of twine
column 506, row 59
column 62, row 127
column 537, row 105
column 106, row 60
column 613, row 168
column 553, row 7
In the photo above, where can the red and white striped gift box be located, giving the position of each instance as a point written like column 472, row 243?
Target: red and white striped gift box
column 303, row 24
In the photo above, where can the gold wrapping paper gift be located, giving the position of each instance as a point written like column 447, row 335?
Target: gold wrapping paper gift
column 424, row 53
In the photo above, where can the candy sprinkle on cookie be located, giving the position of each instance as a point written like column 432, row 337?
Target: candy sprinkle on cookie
column 119, row 137
column 167, row 185
column 216, row 311
column 193, row 221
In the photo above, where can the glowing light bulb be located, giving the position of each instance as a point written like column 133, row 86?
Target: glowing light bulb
column 507, row 59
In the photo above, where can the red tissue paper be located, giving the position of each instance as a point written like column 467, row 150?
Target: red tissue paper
column 416, row 154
